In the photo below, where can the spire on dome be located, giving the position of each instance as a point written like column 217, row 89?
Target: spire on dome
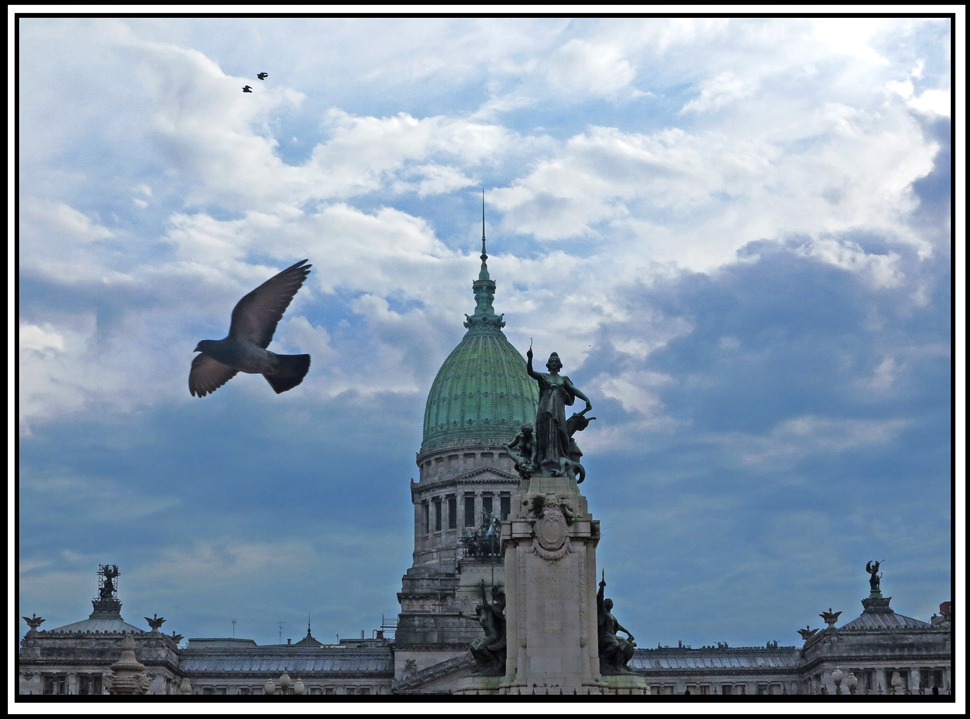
column 483, row 275
column 484, row 289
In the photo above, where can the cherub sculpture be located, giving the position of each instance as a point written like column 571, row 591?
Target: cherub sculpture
column 522, row 450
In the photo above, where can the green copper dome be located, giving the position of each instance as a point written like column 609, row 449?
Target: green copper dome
column 482, row 393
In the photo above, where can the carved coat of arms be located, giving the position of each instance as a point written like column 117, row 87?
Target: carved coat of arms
column 551, row 527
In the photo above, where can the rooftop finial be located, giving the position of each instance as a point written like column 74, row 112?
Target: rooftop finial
column 484, row 256
column 484, row 289
column 483, row 274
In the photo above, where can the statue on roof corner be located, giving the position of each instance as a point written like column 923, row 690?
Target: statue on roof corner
column 109, row 572
column 555, row 452
column 872, row 567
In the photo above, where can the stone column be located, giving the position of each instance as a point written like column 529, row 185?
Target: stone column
column 914, row 680
column 72, row 687
column 550, row 585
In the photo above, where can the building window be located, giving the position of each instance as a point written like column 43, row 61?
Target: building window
column 469, row 510
column 437, row 514
column 208, row 690
column 705, row 689
column 486, row 505
column 726, row 689
column 55, row 684
column 244, row 690
column 315, row 690
column 427, row 517
column 505, row 501
column 452, row 512
column 329, row 690
column 364, row 690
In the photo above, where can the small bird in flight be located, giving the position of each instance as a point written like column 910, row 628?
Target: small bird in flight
column 251, row 329
column 247, row 88
column 263, row 75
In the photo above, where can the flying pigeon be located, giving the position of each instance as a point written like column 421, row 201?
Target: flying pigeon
column 251, row 329
column 263, row 75
column 247, row 88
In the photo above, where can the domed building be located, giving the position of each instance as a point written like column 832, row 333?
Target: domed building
column 478, row 402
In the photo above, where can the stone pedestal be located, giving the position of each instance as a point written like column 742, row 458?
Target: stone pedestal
column 477, row 685
column 626, row 684
column 550, row 543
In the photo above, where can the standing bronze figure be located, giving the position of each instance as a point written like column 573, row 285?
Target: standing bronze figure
column 614, row 651
column 872, row 567
column 552, row 434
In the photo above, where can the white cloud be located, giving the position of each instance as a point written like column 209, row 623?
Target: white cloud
column 883, row 376
column 707, row 194
column 932, row 102
column 434, row 180
column 718, row 92
column 795, row 439
column 850, row 36
column 595, row 69
column 40, row 339
column 633, row 390
column 881, row 271
column 61, row 222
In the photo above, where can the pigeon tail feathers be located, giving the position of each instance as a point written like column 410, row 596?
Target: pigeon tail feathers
column 290, row 371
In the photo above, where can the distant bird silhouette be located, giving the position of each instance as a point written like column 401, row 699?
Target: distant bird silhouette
column 247, row 88
column 263, row 75
column 251, row 329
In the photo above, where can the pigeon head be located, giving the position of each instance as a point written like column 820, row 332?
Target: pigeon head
column 202, row 345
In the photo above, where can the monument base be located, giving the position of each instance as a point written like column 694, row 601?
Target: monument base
column 626, row 684
column 474, row 685
column 550, row 578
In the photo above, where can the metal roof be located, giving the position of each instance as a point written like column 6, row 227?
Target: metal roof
column 701, row 659
column 301, row 662
column 100, row 626
column 884, row 620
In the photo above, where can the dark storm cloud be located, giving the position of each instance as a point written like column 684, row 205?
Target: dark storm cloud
column 810, row 429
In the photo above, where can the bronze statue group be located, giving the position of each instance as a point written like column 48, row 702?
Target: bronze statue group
column 546, row 449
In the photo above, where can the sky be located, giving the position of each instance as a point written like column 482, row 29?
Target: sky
column 736, row 233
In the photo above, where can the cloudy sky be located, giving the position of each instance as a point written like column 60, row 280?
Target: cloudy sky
column 735, row 233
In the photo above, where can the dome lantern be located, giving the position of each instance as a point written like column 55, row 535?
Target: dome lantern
column 482, row 394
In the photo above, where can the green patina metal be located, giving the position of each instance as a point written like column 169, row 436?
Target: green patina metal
column 482, row 393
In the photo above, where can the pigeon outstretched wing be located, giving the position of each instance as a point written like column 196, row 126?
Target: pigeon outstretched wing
column 256, row 315
column 263, row 75
column 207, row 375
